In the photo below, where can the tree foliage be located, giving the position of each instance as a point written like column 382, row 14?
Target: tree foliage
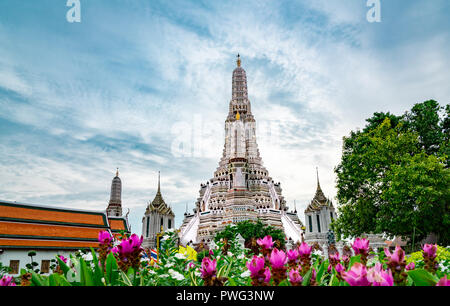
column 393, row 176
column 249, row 230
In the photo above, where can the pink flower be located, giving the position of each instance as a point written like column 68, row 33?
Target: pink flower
column 130, row 245
column 7, row 281
column 334, row 257
column 357, row 276
column 430, row 250
column 265, row 243
column 330, row 267
column 277, row 259
column 314, row 273
column 208, row 268
column 267, row 275
column 397, row 257
column 255, row 266
column 339, row 268
column 411, row 266
column 378, row 277
column 63, row 258
column 304, row 249
column 115, row 250
column 295, row 277
column 292, row 255
column 136, row 241
column 104, row 237
column 445, row 282
column 361, row 246
column 345, row 258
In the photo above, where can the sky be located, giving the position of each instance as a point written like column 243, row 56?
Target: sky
column 144, row 86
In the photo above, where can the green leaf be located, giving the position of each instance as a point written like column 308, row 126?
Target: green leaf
column 229, row 268
column 356, row 258
column 131, row 274
column 36, row 280
column 422, row 277
column 112, row 270
column 98, row 271
column 57, row 280
column 64, row 267
column 231, row 282
column 219, row 274
column 307, row 278
column 125, row 279
column 334, row 281
column 321, row 270
column 86, row 274
column 409, row 281
column 193, row 278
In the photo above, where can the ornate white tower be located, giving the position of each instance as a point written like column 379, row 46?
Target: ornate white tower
column 241, row 188
column 158, row 217
column 114, row 208
column 318, row 216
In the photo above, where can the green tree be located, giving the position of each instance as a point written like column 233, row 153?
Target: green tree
column 424, row 120
column 378, row 118
column 416, row 200
column 445, row 126
column 387, row 184
column 249, row 230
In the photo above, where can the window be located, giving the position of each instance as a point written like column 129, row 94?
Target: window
column 170, row 224
column 45, row 266
column 148, row 224
column 162, row 222
column 310, row 224
column 14, row 265
column 318, row 223
column 331, row 215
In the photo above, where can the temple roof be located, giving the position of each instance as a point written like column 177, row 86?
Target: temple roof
column 158, row 204
column 319, row 200
column 44, row 227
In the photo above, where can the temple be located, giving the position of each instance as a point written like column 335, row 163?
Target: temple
column 241, row 188
column 158, row 218
column 114, row 208
column 318, row 216
column 51, row 230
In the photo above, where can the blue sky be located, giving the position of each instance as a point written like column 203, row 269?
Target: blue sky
column 124, row 86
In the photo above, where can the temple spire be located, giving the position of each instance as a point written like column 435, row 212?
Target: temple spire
column 317, row 172
column 115, row 201
column 238, row 61
column 159, row 182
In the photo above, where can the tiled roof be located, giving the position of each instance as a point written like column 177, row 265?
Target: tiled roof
column 38, row 226
column 158, row 204
column 118, row 224
column 318, row 201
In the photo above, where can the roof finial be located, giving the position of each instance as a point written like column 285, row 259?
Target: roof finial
column 295, row 205
column 159, row 179
column 317, row 171
column 117, row 172
column 238, row 60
